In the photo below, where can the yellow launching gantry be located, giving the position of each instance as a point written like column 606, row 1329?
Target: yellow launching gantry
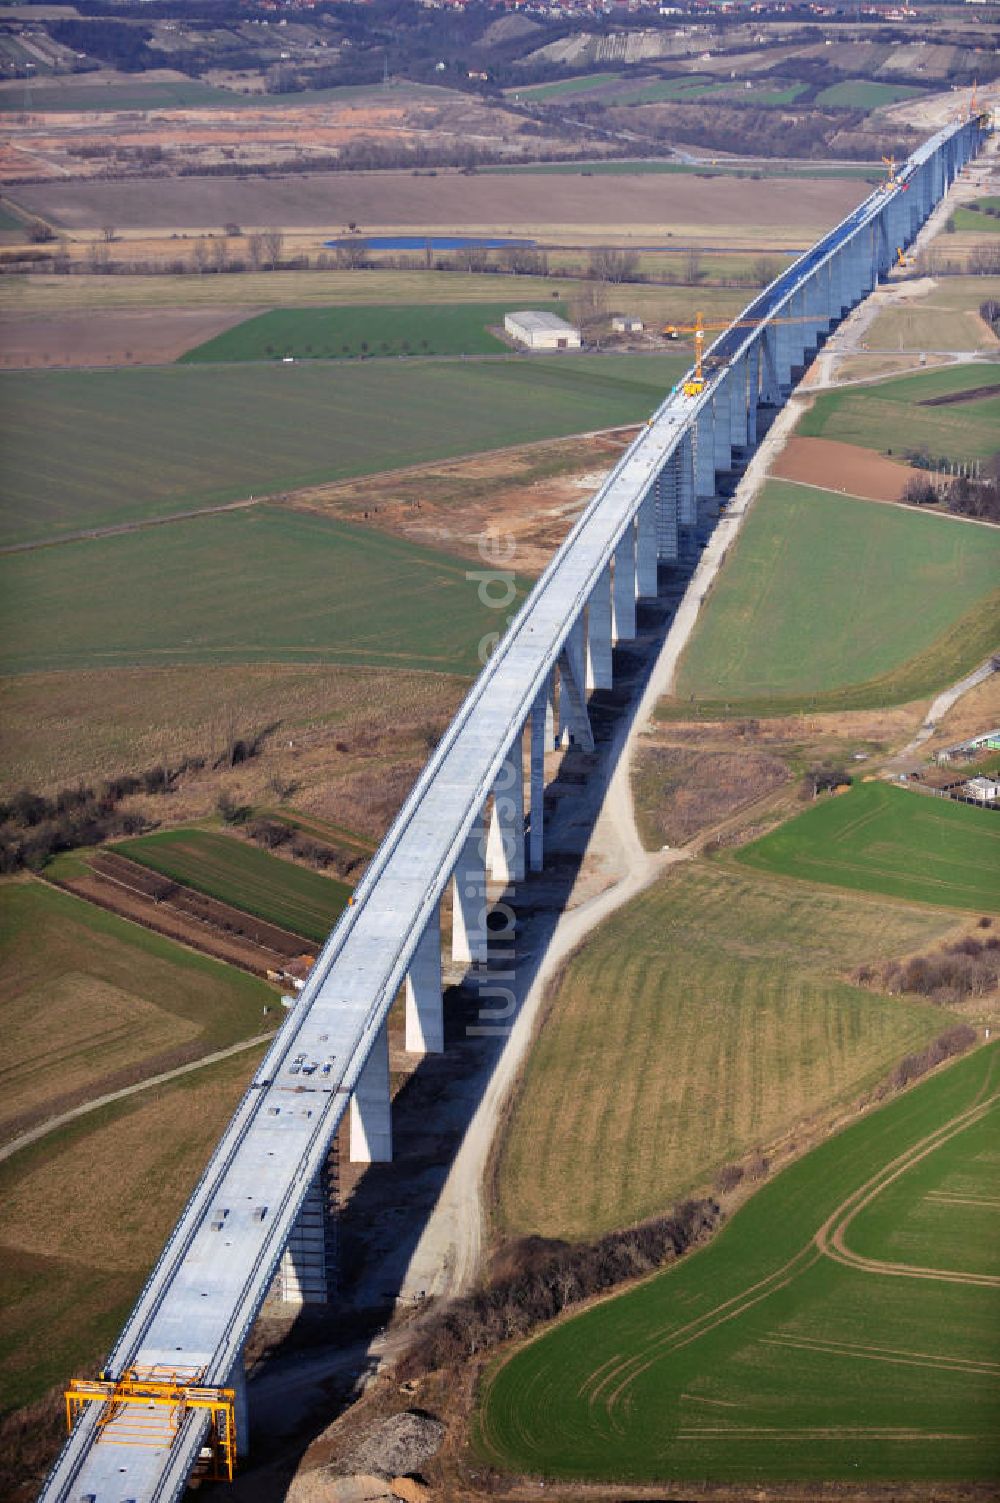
column 146, row 1406
column 696, row 384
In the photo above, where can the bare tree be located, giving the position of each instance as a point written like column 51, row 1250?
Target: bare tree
column 99, row 256
column 273, row 240
column 589, row 310
column 220, row 255
column 610, row 265
column 200, row 254
column 255, row 250
column 764, row 270
column 693, row 270
column 351, row 255
column 109, row 232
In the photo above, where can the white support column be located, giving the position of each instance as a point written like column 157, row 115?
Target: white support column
column 572, row 668
column 623, row 588
column 505, row 842
column 238, row 1381
column 371, row 1106
column 536, row 813
column 599, row 674
column 468, row 922
column 550, row 711
column 306, row 1273
column 645, row 567
column 424, row 1003
column 704, row 452
column 838, row 287
column 797, row 331
column 574, row 722
column 771, row 348
column 753, row 390
column 687, row 506
column 738, row 405
column 721, row 426
column 667, row 509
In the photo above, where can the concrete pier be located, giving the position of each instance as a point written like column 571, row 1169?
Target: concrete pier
column 599, row 633
column 468, row 924
column 371, row 1106
column 623, row 590
column 505, row 842
column 424, row 1003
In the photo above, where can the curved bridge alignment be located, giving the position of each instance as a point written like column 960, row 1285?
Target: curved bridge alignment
column 261, row 1185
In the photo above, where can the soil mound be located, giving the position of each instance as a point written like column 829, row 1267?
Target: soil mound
column 397, row 1445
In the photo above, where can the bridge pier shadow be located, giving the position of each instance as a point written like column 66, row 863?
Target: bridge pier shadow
column 306, row 1365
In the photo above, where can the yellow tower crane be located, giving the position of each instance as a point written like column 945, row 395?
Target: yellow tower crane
column 696, row 385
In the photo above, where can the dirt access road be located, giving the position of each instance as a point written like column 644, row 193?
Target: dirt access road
column 447, row 1258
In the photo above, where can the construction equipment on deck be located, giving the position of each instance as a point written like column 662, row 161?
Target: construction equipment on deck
column 147, row 1406
column 892, row 181
column 696, row 384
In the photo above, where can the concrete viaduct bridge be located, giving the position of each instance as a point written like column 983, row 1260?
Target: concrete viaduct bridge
column 172, row 1390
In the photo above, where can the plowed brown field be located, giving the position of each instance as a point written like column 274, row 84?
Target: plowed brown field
column 214, row 928
column 842, row 467
column 782, row 212
column 126, row 336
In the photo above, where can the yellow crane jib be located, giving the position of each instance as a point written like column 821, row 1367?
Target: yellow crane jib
column 147, row 1406
column 695, row 385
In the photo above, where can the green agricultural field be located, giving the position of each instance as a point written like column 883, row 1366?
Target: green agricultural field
column 581, row 85
column 97, row 448
column 278, row 891
column 893, row 416
column 89, row 1002
column 655, row 90
column 816, row 1339
column 882, row 839
column 346, row 333
column 861, row 94
column 255, row 586
column 699, row 87
column 184, row 94
column 707, row 1019
column 974, row 216
column 83, row 1216
column 831, row 602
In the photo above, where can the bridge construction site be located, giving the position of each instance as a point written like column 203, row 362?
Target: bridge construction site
column 172, row 1395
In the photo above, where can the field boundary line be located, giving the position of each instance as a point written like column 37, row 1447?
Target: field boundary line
column 830, row 1239
column 115, row 529
column 942, row 516
column 34, row 1134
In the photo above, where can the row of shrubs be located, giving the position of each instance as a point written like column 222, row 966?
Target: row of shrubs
column 963, row 497
column 547, row 1276
column 273, row 833
column 955, row 1041
column 968, row 968
column 34, row 827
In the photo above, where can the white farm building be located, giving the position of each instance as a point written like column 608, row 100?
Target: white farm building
column 541, row 331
